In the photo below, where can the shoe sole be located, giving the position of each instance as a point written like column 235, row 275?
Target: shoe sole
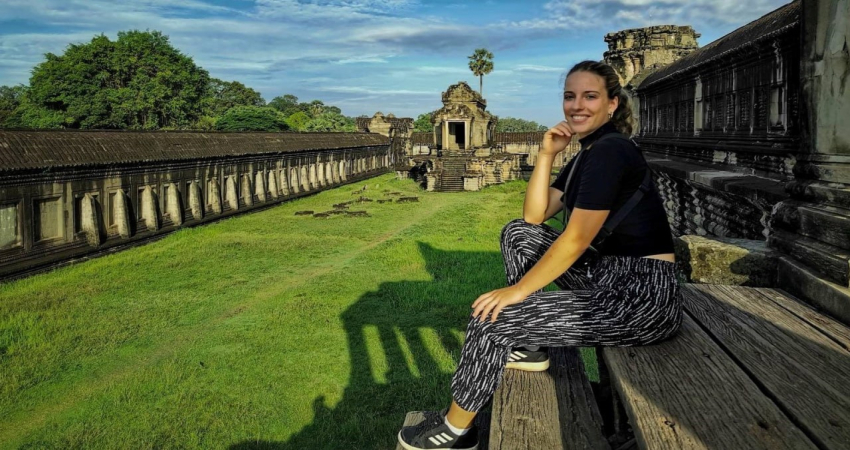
column 407, row 446
column 529, row 366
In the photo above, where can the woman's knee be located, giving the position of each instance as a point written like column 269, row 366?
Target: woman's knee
column 514, row 228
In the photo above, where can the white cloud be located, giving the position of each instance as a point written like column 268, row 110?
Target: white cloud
column 373, row 91
column 536, row 68
column 582, row 14
column 364, row 59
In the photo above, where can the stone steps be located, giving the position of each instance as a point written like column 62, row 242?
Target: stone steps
column 823, row 223
column 808, row 284
column 831, row 261
column 830, row 194
column 452, row 174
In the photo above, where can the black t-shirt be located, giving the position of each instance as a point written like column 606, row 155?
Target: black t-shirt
column 607, row 176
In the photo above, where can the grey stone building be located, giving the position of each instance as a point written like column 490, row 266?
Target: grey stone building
column 66, row 194
column 748, row 137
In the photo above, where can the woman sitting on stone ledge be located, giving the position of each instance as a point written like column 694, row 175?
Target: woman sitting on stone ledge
column 627, row 295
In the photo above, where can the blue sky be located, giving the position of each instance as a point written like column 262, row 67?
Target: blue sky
column 394, row 56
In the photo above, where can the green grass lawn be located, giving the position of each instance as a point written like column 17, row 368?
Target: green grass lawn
column 267, row 330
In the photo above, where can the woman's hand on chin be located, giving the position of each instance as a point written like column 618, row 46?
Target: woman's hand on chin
column 495, row 301
column 557, row 138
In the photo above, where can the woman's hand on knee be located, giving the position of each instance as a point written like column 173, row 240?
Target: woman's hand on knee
column 494, row 301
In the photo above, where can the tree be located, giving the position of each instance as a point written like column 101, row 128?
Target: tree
column 286, row 104
column 10, row 99
column 223, row 95
column 330, row 121
column 481, row 63
column 513, row 125
column 252, row 118
column 28, row 115
column 139, row 81
column 316, row 108
column 423, row 122
column 298, row 121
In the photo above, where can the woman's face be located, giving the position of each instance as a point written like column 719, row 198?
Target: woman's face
column 586, row 102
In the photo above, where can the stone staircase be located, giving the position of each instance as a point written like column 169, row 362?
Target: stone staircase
column 452, row 174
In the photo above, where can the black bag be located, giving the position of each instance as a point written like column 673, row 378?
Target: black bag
column 591, row 255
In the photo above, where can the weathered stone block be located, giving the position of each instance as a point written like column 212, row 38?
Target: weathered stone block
column 741, row 262
column 122, row 216
column 814, row 289
column 89, row 221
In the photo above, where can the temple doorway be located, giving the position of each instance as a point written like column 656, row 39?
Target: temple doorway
column 457, row 135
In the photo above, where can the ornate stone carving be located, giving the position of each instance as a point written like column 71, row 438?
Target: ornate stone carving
column 633, row 50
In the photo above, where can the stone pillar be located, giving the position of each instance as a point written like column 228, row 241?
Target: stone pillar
column 293, row 179
column 273, row 185
column 195, row 202
column 811, row 229
column 260, row 186
column 215, row 196
column 232, row 193
column 825, row 71
column 247, row 192
column 335, row 176
column 329, row 175
column 150, row 211
column 284, row 181
column 174, row 207
column 89, row 221
column 305, row 179
column 122, row 216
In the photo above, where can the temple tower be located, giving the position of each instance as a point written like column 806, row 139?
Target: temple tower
column 633, row 50
column 462, row 123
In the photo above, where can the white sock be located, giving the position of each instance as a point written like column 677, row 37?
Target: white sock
column 457, row 431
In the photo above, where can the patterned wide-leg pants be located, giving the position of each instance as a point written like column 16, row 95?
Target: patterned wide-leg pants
column 619, row 301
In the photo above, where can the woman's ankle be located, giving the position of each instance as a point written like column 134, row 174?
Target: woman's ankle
column 459, row 418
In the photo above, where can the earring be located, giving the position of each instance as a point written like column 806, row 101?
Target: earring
column 610, row 115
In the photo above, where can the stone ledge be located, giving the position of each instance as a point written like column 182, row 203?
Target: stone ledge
column 753, row 187
column 716, row 260
column 824, row 295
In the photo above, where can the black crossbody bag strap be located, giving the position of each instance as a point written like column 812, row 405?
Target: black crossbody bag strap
column 612, row 221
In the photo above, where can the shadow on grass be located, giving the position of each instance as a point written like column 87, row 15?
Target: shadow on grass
column 418, row 324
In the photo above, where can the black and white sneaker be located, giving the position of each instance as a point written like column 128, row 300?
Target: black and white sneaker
column 528, row 360
column 433, row 433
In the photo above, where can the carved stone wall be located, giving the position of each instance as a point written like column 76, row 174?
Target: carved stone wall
column 631, row 51
column 399, row 130
column 749, row 139
column 463, row 123
column 701, row 200
column 813, row 227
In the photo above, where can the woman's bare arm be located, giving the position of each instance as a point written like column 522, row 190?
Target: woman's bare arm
column 538, row 195
column 583, row 226
column 541, row 202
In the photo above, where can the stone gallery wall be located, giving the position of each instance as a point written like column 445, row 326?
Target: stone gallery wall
column 745, row 140
column 67, row 194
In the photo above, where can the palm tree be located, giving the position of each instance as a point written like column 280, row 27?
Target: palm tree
column 481, row 63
